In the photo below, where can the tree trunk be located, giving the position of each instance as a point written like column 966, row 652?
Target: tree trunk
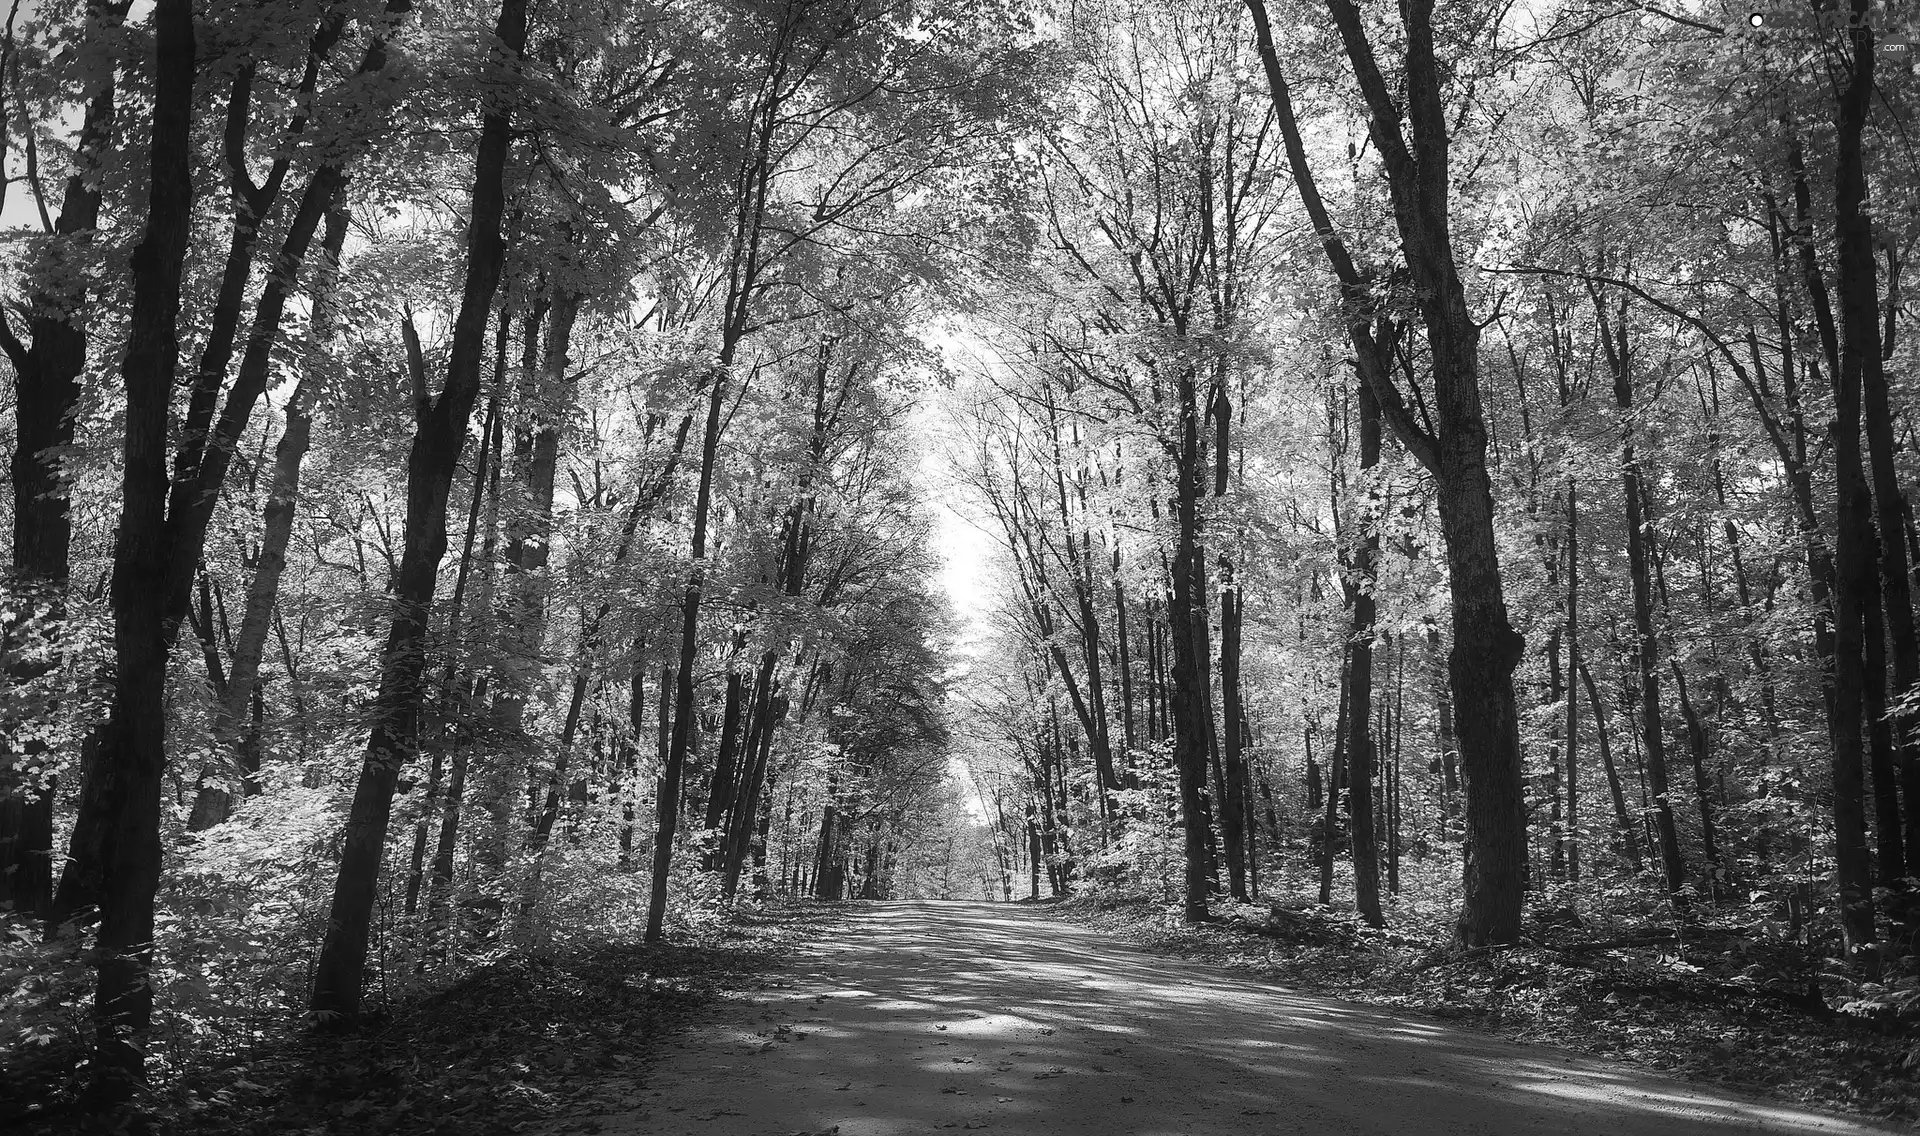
column 46, row 374
column 214, row 801
column 1486, row 649
column 1239, row 800
column 1192, row 704
column 667, row 809
column 1336, row 776
column 1860, row 367
column 440, row 432
column 1573, row 698
column 1361, row 755
column 545, row 400
column 123, row 782
column 1615, row 342
column 1629, row 831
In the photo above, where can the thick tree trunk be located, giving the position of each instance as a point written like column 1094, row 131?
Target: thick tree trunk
column 1186, row 613
column 123, row 783
column 439, row 434
column 1486, row 649
column 1860, row 367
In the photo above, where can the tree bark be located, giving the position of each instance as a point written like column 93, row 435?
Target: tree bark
column 46, row 376
column 213, row 803
column 1243, row 881
column 440, row 432
column 1361, row 754
column 200, row 467
column 123, row 783
column 1486, row 648
column 1853, row 550
column 1572, row 695
column 1192, row 703
column 1629, row 832
column 1616, row 345
column 667, row 807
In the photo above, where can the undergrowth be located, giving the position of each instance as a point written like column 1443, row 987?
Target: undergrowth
column 527, row 1037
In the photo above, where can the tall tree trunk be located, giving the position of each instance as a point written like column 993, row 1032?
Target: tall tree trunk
column 1860, row 367
column 1186, row 615
column 769, row 708
column 123, row 782
column 720, row 792
column 545, row 400
column 439, row 433
column 667, row 809
column 1572, row 696
column 1616, row 344
column 213, row 803
column 1336, row 774
column 1486, row 649
column 1361, row 754
column 1629, row 832
column 452, row 703
column 46, row 377
column 1238, row 798
column 200, row 467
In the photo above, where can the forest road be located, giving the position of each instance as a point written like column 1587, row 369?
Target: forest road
column 929, row 1017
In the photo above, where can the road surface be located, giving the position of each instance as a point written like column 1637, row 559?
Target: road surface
column 928, row 1017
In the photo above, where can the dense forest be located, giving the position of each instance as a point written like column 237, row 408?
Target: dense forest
column 1439, row 461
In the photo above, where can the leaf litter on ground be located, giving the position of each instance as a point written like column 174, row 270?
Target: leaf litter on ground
column 1688, row 1008
column 525, row 1039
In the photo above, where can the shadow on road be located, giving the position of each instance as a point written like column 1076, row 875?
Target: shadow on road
column 925, row 1016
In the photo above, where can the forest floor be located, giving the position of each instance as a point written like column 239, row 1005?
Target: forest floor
column 521, row 1040
column 1689, row 1009
column 918, row 1017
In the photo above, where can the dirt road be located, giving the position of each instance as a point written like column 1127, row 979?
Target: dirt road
column 926, row 1017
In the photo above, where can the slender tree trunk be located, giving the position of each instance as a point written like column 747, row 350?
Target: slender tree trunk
column 1330, row 819
column 214, row 801
column 1614, row 340
column 46, row 374
column 1572, row 696
column 450, row 702
column 770, row 708
column 668, row 807
column 440, row 432
column 1238, row 802
column 1629, row 831
column 1361, row 753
